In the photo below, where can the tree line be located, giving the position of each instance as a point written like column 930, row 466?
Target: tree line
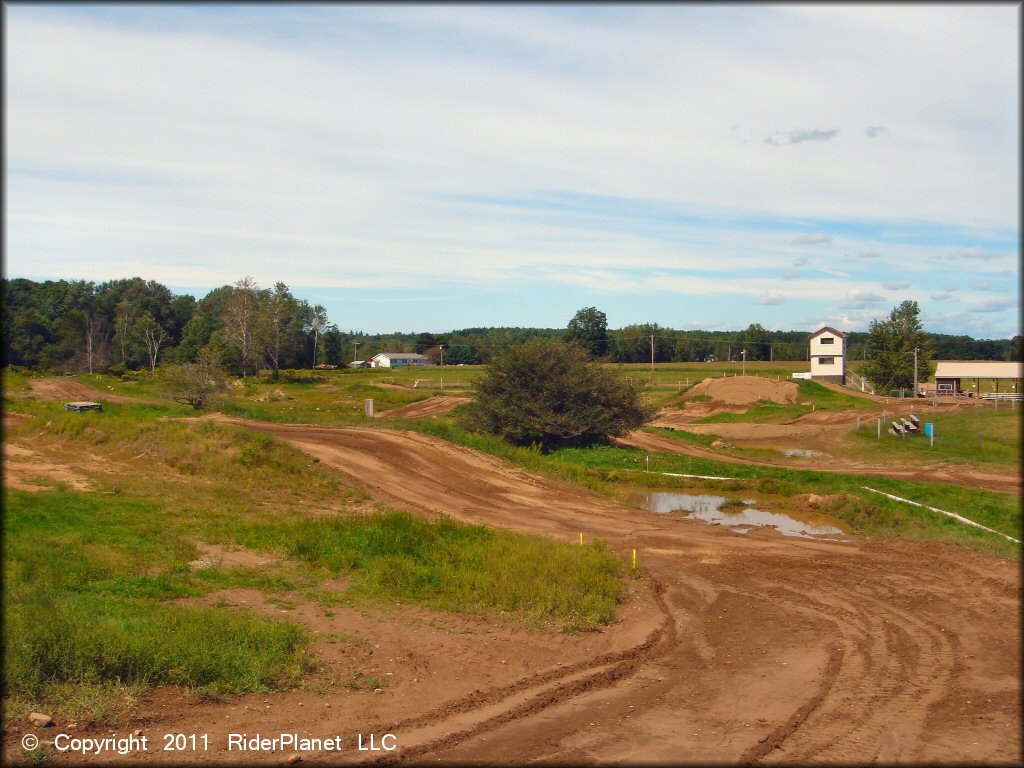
column 133, row 324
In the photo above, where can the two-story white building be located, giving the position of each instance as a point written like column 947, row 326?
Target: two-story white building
column 828, row 355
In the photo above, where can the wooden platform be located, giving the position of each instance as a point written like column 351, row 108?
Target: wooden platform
column 83, row 405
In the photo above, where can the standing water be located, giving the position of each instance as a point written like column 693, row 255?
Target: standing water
column 709, row 509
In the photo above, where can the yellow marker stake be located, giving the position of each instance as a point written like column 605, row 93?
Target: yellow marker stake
column 634, row 559
column 581, row 538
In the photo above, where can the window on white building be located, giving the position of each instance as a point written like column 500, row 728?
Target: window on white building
column 826, row 360
column 827, row 340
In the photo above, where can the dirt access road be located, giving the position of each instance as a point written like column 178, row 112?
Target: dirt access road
column 743, row 648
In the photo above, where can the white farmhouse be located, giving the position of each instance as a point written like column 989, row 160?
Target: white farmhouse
column 828, row 355
column 397, row 360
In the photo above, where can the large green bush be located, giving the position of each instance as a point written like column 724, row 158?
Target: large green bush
column 551, row 394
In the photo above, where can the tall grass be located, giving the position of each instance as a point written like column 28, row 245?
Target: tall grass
column 457, row 567
column 52, row 639
column 64, row 624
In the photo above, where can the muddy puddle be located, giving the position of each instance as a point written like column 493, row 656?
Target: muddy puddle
column 739, row 515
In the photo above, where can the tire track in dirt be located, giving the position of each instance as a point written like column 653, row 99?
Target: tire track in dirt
column 531, row 695
column 889, row 665
column 874, row 633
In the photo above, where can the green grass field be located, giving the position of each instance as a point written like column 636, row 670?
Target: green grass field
column 968, row 436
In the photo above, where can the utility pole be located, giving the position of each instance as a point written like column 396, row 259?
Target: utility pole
column 652, row 353
column 355, row 350
column 916, row 350
column 744, row 353
column 441, row 347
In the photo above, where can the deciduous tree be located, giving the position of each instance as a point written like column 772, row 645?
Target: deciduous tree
column 890, row 349
column 316, row 324
column 277, row 325
column 240, row 320
column 153, row 335
column 589, row 329
column 194, row 384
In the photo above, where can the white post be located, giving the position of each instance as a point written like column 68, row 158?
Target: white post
column 368, row 407
column 879, row 426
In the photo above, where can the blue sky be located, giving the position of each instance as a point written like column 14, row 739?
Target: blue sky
column 416, row 167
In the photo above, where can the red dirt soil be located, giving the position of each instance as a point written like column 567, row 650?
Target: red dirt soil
column 731, row 649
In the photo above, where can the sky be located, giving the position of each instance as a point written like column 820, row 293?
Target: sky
column 435, row 167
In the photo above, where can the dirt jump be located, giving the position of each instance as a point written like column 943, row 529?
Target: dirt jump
column 731, row 648
column 69, row 389
column 744, row 390
column 430, row 408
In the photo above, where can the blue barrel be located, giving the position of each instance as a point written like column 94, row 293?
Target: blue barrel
column 928, row 429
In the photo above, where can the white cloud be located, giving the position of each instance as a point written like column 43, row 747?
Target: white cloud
column 858, row 299
column 868, row 255
column 811, row 239
column 792, row 274
column 974, row 253
column 943, row 297
column 771, row 298
column 896, row 285
column 873, row 131
column 993, row 305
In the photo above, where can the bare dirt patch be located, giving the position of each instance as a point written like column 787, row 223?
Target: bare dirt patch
column 26, row 470
column 741, row 431
column 217, row 555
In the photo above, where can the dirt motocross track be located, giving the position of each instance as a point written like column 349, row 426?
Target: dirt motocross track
column 732, row 648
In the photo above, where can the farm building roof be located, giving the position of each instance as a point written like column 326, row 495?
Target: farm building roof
column 399, row 356
column 830, row 330
column 979, row 369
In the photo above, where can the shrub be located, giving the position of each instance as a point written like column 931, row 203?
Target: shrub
column 194, row 384
column 550, row 394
